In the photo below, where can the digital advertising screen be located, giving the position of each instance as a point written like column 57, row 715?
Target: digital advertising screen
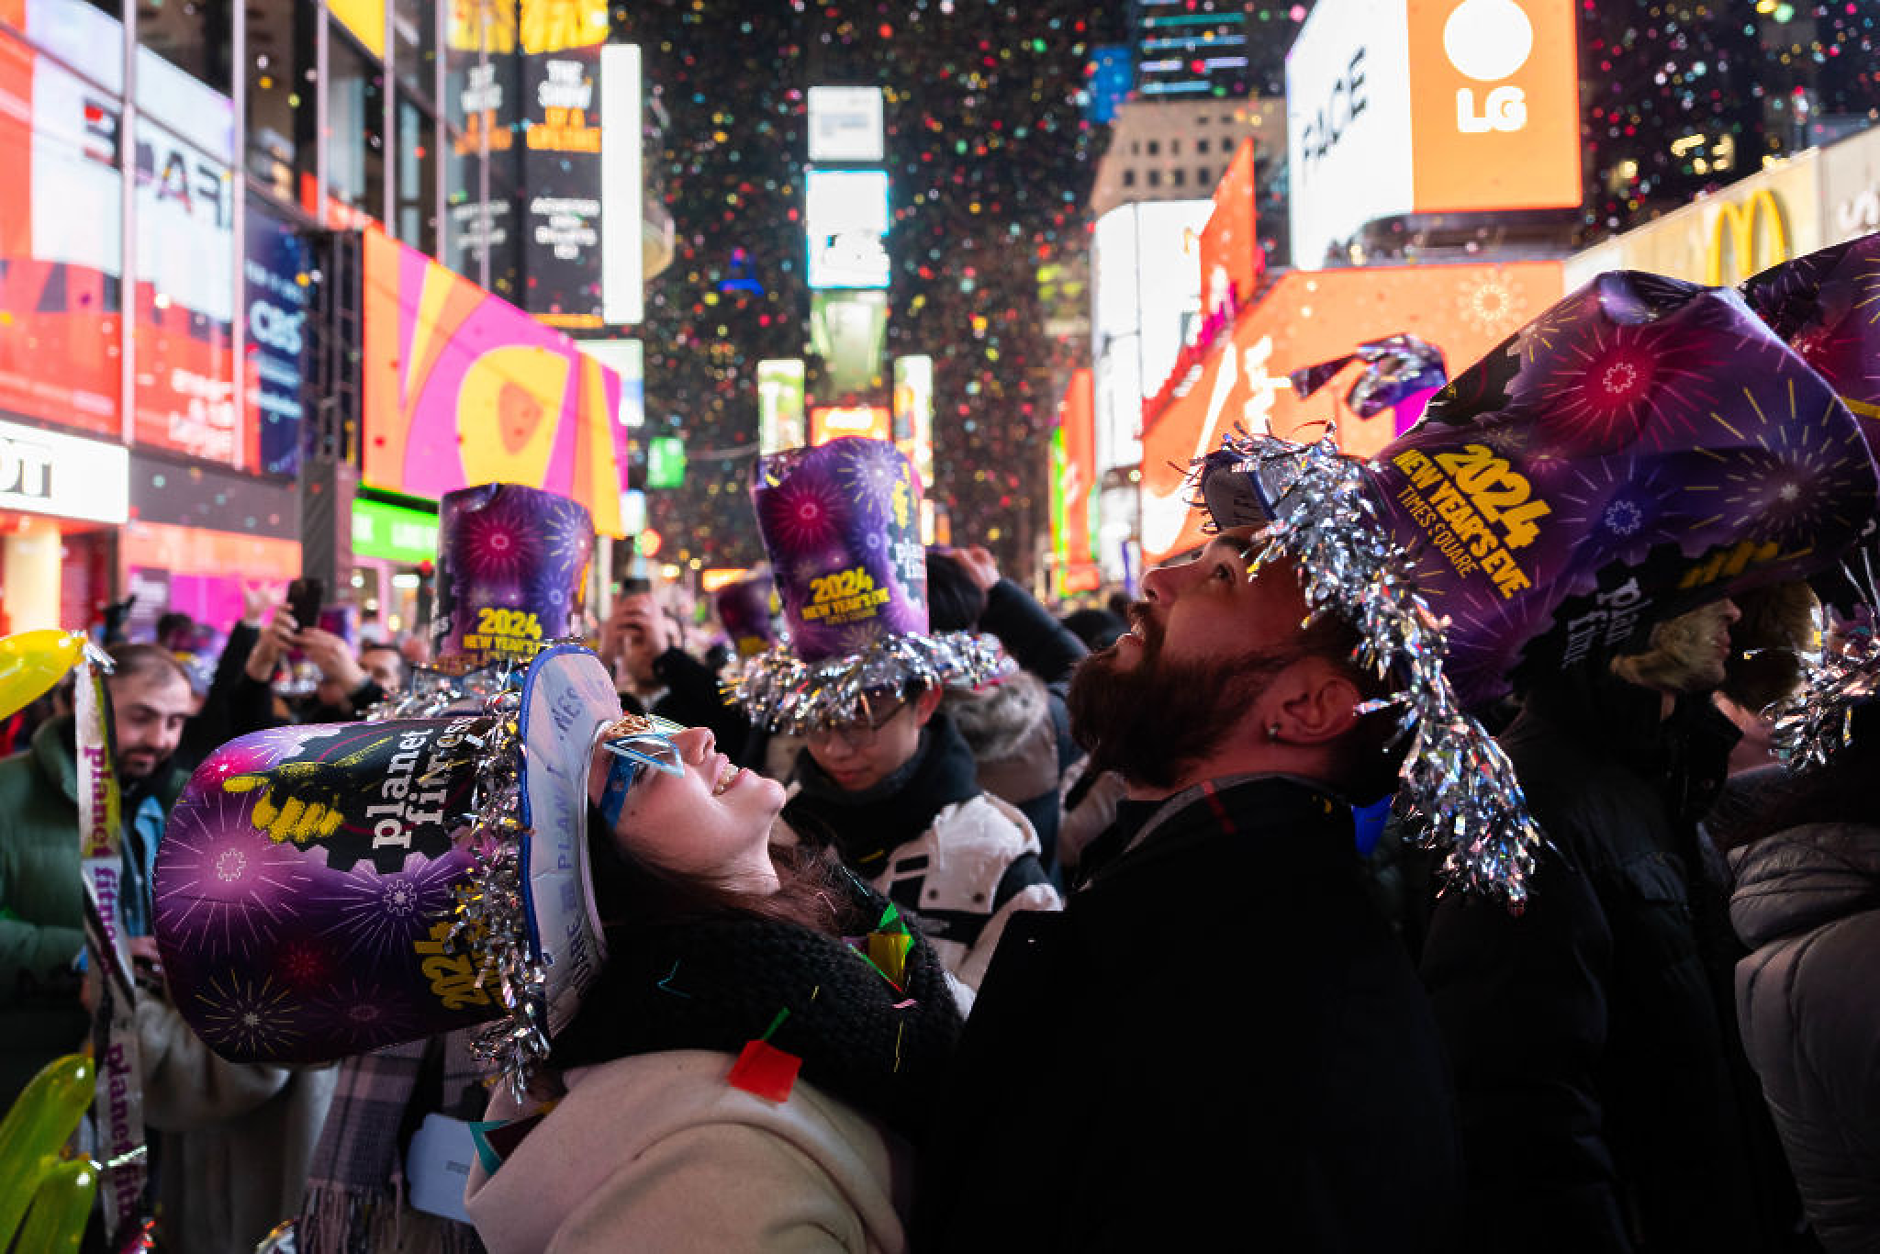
column 463, row 388
column 1309, row 317
column 278, row 280
column 846, row 218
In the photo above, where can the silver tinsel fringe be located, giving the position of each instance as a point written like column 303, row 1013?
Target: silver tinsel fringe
column 784, row 693
column 491, row 924
column 1457, row 788
column 1817, row 720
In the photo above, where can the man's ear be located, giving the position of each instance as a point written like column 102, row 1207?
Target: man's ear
column 1316, row 702
column 925, row 704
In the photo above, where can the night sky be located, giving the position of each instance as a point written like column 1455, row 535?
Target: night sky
column 990, row 162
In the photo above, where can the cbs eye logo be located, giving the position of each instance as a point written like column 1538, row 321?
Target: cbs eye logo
column 1489, row 41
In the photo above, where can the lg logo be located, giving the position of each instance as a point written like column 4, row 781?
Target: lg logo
column 1488, row 41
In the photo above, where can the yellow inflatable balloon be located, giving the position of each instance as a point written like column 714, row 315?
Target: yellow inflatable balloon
column 32, row 661
column 56, row 1223
column 34, row 1131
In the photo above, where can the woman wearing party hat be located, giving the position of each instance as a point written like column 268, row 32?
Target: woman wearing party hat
column 884, row 777
column 601, row 886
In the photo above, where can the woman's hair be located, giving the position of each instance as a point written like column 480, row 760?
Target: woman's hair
column 632, row 892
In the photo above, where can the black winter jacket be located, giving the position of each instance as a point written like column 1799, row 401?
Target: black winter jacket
column 1238, row 1047
column 1605, row 1102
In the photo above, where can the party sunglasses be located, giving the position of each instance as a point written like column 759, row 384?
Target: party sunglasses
column 636, row 741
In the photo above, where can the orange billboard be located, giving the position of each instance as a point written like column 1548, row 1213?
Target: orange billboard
column 1494, row 104
column 463, row 388
column 832, row 422
column 1314, row 316
column 1231, row 260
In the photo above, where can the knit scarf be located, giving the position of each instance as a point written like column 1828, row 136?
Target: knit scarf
column 718, row 983
column 356, row 1182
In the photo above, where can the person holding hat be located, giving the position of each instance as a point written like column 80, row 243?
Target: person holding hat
column 884, row 776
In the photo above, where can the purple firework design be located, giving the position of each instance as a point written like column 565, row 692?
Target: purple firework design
column 223, row 888
column 373, row 916
column 496, row 543
column 248, row 1018
column 870, row 471
column 360, row 1014
column 805, row 511
column 1804, row 478
column 1615, row 384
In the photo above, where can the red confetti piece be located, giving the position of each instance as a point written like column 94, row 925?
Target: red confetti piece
column 765, row 1070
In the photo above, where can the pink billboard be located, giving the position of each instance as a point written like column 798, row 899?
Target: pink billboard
column 463, row 388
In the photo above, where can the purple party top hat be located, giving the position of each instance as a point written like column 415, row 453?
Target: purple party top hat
column 745, row 610
column 841, row 522
column 1645, row 446
column 323, row 890
column 512, row 567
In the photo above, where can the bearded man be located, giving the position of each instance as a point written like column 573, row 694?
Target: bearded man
column 1218, row 1034
column 1605, row 1098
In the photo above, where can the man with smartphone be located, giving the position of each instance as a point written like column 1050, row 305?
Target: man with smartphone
column 345, row 690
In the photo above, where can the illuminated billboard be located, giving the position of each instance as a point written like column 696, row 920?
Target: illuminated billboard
column 1725, row 237
column 63, row 295
column 780, row 389
column 623, row 185
column 913, row 413
column 1231, row 259
column 846, row 219
column 1073, row 487
column 61, row 258
column 832, row 422
column 1429, row 106
column 845, row 124
column 1308, row 317
column 848, row 330
column 463, row 388
column 1146, row 271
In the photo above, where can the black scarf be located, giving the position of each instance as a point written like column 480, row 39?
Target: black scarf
column 864, row 826
column 718, row 983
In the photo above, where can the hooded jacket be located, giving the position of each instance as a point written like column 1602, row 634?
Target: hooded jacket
column 927, row 838
column 42, row 896
column 1807, row 902
column 1605, row 1102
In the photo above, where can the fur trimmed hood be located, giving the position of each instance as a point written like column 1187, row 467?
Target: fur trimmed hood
column 997, row 719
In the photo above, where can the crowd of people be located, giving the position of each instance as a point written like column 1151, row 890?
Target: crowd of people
column 1573, row 1078
column 929, row 918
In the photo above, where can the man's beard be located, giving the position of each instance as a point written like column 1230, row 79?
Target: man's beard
column 1150, row 722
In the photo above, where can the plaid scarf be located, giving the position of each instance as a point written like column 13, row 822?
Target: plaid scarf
column 356, row 1184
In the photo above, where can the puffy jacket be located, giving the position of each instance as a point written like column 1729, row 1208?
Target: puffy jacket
column 1807, row 901
column 42, row 897
column 1605, row 1102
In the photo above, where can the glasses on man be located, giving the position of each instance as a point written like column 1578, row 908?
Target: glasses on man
column 860, row 734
